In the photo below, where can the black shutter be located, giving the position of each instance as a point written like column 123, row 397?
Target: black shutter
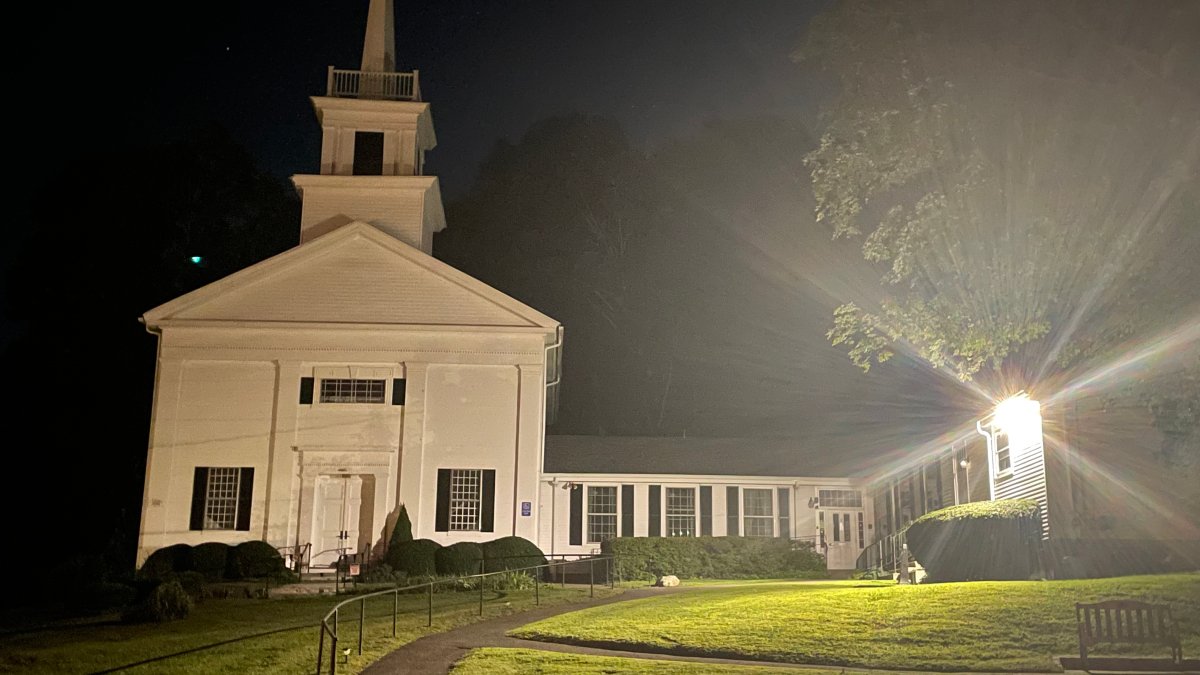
column 785, row 513
column 626, row 510
column 576, row 515
column 398, row 388
column 245, row 498
column 731, row 511
column 306, row 390
column 706, row 510
column 654, row 512
column 487, row 515
column 199, row 493
column 441, row 522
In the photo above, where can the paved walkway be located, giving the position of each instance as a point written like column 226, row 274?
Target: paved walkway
column 435, row 654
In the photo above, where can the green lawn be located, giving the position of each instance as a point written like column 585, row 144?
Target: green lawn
column 500, row 661
column 250, row 636
column 1019, row 625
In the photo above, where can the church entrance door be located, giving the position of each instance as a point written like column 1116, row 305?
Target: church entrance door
column 336, row 518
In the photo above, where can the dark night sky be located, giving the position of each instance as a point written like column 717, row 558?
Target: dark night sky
column 490, row 69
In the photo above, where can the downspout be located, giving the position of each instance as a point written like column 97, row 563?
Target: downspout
column 991, row 451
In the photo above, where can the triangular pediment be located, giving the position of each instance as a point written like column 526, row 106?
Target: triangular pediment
column 353, row 275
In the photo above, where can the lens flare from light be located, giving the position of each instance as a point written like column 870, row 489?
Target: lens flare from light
column 1018, row 415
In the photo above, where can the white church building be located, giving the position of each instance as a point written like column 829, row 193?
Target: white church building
column 303, row 400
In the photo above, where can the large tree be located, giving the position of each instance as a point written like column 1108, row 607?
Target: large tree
column 1025, row 177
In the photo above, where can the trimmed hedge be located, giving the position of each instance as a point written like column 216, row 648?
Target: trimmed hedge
column 167, row 561
column 511, row 553
column 458, row 560
column 211, row 559
column 417, row 558
column 995, row 540
column 216, row 561
column 165, row 602
column 713, row 557
column 255, row 559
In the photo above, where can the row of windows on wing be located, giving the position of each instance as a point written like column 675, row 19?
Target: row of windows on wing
column 351, row 390
column 687, row 512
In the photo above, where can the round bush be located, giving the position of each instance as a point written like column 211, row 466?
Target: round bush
column 166, row 562
column 255, row 560
column 511, row 553
column 994, row 540
column 415, row 558
column 166, row 602
column 210, row 559
column 458, row 560
column 193, row 583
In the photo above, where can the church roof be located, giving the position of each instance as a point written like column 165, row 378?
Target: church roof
column 691, row 456
column 356, row 275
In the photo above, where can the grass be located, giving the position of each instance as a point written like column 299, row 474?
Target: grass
column 1003, row 625
column 251, row 636
column 503, row 661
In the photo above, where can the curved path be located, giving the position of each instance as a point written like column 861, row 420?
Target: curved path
column 435, row 654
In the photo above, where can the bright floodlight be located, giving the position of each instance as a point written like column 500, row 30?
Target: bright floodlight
column 1018, row 415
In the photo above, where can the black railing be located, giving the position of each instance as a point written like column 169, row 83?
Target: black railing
column 329, row 624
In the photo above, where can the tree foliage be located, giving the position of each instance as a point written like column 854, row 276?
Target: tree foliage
column 1021, row 173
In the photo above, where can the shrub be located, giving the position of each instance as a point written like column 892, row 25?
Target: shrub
column 415, row 558
column 193, row 583
column 459, row 559
column 256, row 560
column 166, row 562
column 511, row 581
column 166, row 602
column 994, row 540
column 211, row 559
column 510, row 553
column 713, row 557
column 381, row 573
column 402, row 531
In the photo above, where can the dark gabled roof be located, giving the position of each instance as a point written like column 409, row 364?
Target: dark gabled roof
column 695, row 456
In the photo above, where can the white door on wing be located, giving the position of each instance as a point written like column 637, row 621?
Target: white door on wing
column 841, row 538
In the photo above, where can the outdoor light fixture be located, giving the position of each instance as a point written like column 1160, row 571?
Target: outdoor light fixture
column 1018, row 415
column 965, row 463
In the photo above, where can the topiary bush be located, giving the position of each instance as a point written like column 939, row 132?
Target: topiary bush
column 415, row 558
column 166, row 562
column 713, row 557
column 256, row 560
column 511, row 553
column 165, row 602
column 211, row 559
column 402, row 531
column 994, row 540
column 459, row 559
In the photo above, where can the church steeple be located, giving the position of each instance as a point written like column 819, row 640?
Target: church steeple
column 375, row 131
column 379, row 45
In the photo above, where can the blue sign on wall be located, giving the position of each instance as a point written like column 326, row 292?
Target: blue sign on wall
column 526, row 508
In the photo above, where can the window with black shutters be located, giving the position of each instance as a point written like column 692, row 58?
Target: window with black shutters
column 221, row 498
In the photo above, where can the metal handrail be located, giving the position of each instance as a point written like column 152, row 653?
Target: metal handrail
column 333, row 614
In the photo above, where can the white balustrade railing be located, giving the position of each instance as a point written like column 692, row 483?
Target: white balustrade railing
column 364, row 84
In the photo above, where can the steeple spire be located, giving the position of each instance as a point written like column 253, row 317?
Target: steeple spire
column 379, row 45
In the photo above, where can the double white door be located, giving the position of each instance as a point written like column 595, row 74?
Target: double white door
column 338, row 501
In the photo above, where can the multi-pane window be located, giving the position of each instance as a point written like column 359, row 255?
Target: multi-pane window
column 681, row 512
column 840, row 498
column 759, row 513
column 601, row 513
column 1003, row 453
column 465, row 498
column 350, row 390
column 861, row 534
column 221, row 498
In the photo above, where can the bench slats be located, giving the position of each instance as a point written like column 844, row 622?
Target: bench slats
column 1126, row 622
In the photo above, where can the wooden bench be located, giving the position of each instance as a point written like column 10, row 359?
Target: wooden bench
column 1126, row 622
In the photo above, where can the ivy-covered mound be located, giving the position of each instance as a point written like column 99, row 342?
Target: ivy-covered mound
column 994, row 540
column 714, row 557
